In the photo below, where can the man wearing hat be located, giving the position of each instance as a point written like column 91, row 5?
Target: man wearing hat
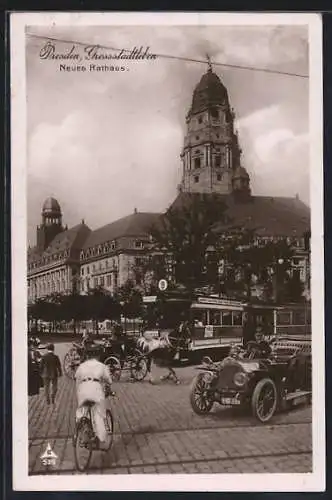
column 50, row 369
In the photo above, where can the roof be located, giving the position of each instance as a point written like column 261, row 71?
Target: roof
column 72, row 240
column 51, row 205
column 136, row 224
column 270, row 216
column 240, row 172
column 209, row 91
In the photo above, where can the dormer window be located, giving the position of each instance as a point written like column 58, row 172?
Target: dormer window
column 113, row 245
column 139, row 244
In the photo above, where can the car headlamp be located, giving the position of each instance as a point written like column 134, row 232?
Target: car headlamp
column 240, row 378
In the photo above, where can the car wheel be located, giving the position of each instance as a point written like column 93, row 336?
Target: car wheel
column 200, row 401
column 264, row 400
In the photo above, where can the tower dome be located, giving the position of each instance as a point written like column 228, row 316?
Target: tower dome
column 51, row 205
column 209, row 92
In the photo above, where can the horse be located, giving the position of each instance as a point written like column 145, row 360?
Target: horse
column 162, row 352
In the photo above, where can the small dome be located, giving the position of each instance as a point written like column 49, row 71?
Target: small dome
column 209, row 92
column 240, row 172
column 51, row 205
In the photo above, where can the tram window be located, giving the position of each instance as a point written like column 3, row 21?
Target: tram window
column 284, row 318
column 215, row 318
column 298, row 318
column 226, row 318
column 237, row 318
column 199, row 318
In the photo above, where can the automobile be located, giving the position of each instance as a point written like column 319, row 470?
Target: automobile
column 263, row 385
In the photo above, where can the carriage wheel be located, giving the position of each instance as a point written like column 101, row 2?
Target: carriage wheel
column 138, row 367
column 114, row 366
column 71, row 362
column 200, row 400
column 83, row 444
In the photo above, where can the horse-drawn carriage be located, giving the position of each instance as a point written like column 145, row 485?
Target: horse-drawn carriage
column 118, row 355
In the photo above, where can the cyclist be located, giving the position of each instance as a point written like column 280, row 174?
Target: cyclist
column 93, row 383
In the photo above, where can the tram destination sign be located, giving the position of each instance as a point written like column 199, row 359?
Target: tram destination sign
column 219, row 302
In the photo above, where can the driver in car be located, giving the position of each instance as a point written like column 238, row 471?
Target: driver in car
column 260, row 345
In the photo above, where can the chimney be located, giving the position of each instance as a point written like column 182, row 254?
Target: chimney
column 135, row 210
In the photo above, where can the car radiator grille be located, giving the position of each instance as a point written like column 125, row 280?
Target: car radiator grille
column 226, row 377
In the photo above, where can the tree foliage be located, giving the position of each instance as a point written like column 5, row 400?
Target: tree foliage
column 186, row 233
column 131, row 298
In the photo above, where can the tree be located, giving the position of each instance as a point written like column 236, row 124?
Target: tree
column 250, row 261
column 185, row 233
column 100, row 305
column 130, row 297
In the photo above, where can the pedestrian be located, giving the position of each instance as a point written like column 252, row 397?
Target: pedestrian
column 92, row 379
column 50, row 369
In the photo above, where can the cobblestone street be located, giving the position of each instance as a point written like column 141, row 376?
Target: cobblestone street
column 157, row 431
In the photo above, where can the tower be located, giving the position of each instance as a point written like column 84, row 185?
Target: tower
column 211, row 152
column 51, row 223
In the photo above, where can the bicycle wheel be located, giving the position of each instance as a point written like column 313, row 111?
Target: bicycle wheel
column 114, row 366
column 83, row 444
column 109, row 428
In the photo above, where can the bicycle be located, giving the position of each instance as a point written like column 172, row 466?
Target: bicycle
column 85, row 440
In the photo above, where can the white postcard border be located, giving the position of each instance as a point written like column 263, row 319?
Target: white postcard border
column 314, row 481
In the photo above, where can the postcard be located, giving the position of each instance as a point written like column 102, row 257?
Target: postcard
column 167, row 252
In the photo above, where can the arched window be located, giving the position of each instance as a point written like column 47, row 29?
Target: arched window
column 197, row 162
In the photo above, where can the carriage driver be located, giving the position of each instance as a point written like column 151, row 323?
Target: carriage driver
column 92, row 381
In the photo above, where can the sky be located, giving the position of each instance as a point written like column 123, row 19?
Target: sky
column 106, row 143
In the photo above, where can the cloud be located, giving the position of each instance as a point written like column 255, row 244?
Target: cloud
column 105, row 143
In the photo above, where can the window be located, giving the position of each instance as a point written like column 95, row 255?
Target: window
column 284, row 318
column 218, row 160
column 215, row 318
column 199, row 318
column 200, row 119
column 196, row 178
column 197, row 162
column 217, row 136
column 88, row 270
column 219, row 177
column 197, row 137
column 298, row 318
column 109, row 280
column 214, row 113
column 237, row 318
column 139, row 244
column 102, row 281
column 226, row 318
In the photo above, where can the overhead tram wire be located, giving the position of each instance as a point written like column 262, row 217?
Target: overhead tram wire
column 168, row 56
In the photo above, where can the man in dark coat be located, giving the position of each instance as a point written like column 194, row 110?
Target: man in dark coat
column 50, row 369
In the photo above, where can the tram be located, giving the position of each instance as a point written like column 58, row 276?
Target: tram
column 216, row 322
